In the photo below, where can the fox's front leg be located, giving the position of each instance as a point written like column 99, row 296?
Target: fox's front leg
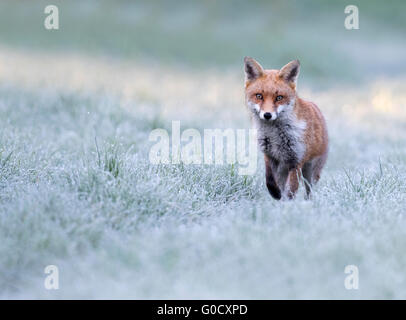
column 270, row 179
column 293, row 182
column 288, row 179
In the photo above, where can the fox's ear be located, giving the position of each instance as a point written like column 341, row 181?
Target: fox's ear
column 252, row 68
column 290, row 72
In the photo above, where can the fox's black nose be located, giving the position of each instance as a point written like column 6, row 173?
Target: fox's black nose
column 267, row 115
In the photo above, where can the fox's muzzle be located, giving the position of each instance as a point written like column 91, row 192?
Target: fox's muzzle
column 268, row 115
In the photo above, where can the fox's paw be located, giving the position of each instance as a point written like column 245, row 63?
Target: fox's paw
column 274, row 191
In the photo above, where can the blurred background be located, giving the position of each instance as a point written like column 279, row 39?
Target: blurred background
column 77, row 189
column 209, row 34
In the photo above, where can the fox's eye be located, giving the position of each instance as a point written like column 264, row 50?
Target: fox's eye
column 259, row 96
column 279, row 98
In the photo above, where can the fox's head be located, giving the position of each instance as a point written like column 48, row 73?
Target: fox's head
column 270, row 93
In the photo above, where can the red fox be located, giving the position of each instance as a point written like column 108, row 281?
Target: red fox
column 292, row 132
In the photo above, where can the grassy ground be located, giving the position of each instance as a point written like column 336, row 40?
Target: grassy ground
column 77, row 189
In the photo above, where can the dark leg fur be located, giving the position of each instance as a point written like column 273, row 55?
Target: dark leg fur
column 270, row 180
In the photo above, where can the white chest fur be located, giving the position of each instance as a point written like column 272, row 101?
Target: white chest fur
column 282, row 138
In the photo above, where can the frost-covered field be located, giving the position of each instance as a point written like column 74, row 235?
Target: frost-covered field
column 77, row 190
